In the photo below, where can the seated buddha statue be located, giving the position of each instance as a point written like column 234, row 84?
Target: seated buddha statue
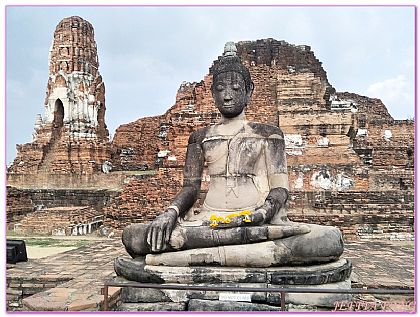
column 243, row 220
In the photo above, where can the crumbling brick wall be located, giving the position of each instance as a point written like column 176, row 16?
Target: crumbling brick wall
column 135, row 145
column 143, row 198
column 23, row 202
column 359, row 214
column 19, row 204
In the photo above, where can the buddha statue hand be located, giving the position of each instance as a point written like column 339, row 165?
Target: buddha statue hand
column 160, row 229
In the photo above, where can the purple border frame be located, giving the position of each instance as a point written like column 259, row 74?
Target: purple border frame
column 233, row 6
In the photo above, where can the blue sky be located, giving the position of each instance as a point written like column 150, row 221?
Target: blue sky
column 146, row 52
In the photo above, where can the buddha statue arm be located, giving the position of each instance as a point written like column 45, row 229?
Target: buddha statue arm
column 273, row 211
column 193, row 170
column 160, row 229
column 273, row 204
column 275, row 159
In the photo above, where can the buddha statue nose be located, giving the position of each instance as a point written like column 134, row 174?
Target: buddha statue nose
column 228, row 95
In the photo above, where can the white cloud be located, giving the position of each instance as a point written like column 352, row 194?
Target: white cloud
column 396, row 94
column 390, row 89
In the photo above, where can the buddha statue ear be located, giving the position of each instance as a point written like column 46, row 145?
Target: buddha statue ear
column 249, row 92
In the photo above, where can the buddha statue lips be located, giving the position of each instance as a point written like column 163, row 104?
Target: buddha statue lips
column 243, row 219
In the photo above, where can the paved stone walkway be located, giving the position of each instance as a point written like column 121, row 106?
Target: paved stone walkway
column 85, row 269
column 81, row 273
column 381, row 264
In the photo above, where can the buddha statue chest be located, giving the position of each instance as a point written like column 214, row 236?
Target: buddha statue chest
column 232, row 155
column 236, row 165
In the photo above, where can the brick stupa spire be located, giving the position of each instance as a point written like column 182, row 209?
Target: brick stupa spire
column 72, row 136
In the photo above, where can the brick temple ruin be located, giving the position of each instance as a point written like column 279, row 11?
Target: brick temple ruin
column 350, row 163
column 70, row 140
column 71, row 136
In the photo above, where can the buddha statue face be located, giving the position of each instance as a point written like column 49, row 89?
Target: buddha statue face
column 230, row 93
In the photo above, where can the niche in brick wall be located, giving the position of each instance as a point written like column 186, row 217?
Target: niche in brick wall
column 58, row 113
column 101, row 115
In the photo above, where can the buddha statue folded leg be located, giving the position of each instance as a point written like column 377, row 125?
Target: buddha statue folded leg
column 133, row 238
column 322, row 244
column 133, row 270
column 184, row 237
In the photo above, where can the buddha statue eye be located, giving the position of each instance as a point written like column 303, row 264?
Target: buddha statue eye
column 236, row 86
column 219, row 87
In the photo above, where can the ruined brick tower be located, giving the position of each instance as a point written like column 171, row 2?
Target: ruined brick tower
column 72, row 136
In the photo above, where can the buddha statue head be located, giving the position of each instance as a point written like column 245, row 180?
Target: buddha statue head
column 232, row 86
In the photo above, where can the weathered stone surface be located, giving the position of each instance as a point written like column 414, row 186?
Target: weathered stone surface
column 211, row 305
column 143, row 295
column 321, row 244
column 326, row 300
column 311, row 275
column 207, row 274
column 323, row 300
column 151, row 307
column 289, row 275
column 245, row 203
column 209, row 300
column 133, row 270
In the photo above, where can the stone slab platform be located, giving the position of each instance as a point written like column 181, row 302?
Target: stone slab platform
column 288, row 275
column 334, row 275
column 141, row 296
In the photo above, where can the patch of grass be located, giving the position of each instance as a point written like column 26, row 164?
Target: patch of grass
column 11, row 233
column 48, row 242
column 41, row 242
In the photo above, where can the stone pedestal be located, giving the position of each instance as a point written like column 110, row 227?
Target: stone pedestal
column 335, row 275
